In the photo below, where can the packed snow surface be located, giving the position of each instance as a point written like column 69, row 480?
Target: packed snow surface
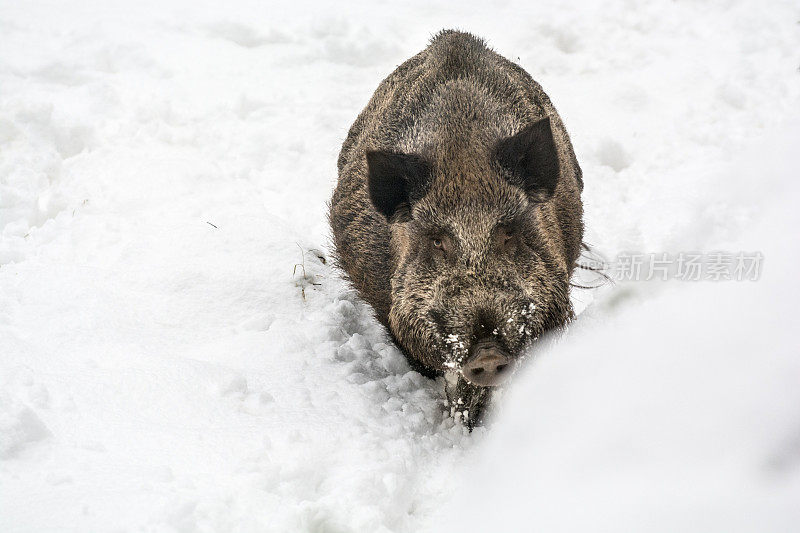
column 177, row 353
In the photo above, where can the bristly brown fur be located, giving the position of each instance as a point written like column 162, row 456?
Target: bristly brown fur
column 452, row 118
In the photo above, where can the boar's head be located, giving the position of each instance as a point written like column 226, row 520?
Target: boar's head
column 480, row 270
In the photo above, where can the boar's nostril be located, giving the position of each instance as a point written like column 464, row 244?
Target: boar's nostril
column 488, row 365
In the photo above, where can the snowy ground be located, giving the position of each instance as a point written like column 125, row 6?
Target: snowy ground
column 176, row 355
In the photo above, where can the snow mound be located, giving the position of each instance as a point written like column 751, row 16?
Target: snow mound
column 20, row 428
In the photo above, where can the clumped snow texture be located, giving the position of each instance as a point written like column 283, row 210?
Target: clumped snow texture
column 178, row 354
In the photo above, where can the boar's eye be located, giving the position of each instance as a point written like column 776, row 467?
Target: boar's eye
column 440, row 245
column 506, row 238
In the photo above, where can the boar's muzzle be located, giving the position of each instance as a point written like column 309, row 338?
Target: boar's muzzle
column 488, row 365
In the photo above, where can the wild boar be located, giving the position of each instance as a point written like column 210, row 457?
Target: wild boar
column 457, row 215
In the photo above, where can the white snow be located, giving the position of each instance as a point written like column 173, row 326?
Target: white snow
column 177, row 355
column 19, row 427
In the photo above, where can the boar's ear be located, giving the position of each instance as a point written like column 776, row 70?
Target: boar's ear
column 395, row 178
column 531, row 158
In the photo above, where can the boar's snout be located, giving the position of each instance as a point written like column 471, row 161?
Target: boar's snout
column 488, row 364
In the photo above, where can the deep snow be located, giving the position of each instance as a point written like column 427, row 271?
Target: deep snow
column 176, row 356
